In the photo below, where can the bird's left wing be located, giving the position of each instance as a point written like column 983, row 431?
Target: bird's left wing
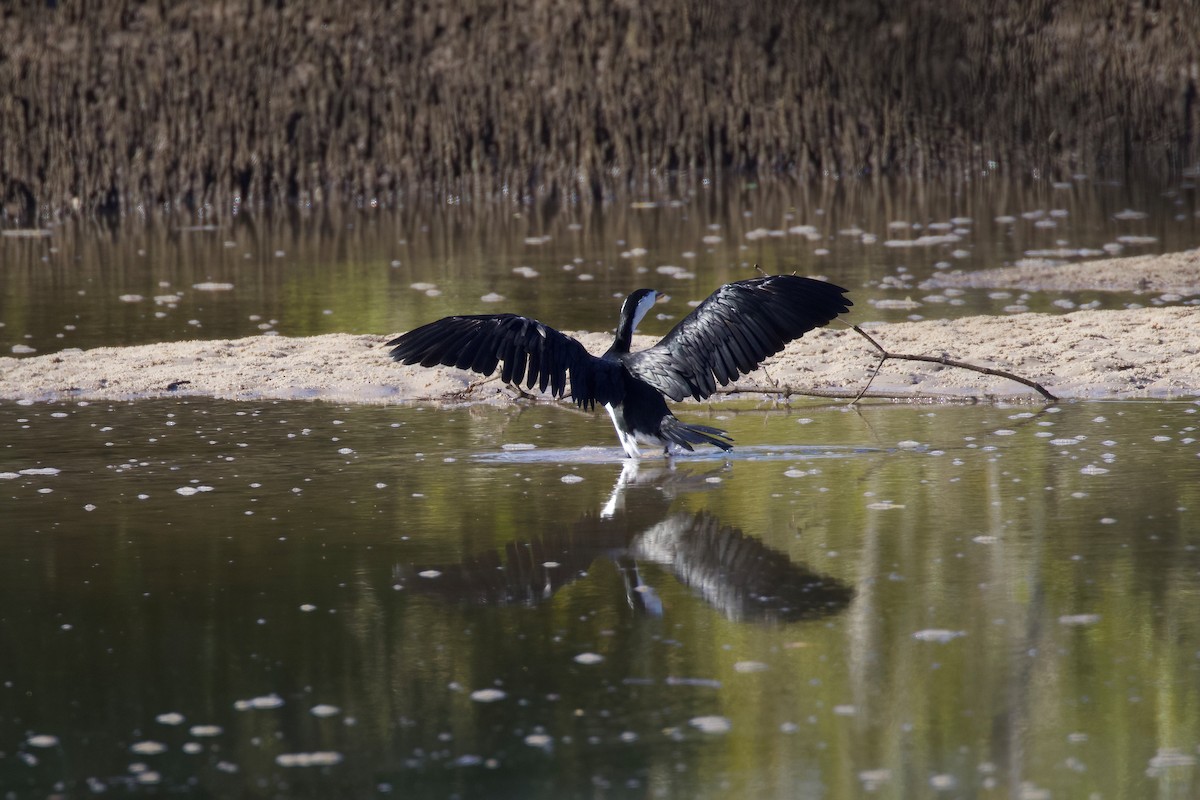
column 735, row 330
column 527, row 349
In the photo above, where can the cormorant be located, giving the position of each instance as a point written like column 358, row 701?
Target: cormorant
column 729, row 334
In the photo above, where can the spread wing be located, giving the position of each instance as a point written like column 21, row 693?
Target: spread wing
column 528, row 350
column 733, row 331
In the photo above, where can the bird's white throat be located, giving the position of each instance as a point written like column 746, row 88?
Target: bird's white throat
column 643, row 307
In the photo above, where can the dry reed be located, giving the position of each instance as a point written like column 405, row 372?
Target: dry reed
column 138, row 107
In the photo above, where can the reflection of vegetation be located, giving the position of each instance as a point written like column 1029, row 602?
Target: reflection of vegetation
column 187, row 604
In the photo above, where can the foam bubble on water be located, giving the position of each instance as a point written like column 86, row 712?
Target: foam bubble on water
column 750, row 666
column 320, row 758
column 1169, row 757
column 205, row 731
column 944, row 783
column 148, row 748
column 307, row 607
column 1078, row 619
column 1092, row 469
column 212, row 286
column 872, row 779
column 42, row 740
column 539, row 740
column 131, row 298
column 430, row 573
column 170, row 718
column 939, row 635
column 264, row 702
column 518, row 446
column 589, row 658
column 488, row 695
column 324, row 710
column 712, row 723
column 492, row 297
column 571, row 478
column 41, row 471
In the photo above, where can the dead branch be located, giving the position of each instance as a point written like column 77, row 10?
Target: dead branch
column 945, row 361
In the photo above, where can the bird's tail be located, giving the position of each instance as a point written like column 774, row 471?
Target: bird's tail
column 686, row 435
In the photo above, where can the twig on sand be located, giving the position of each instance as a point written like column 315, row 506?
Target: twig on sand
column 945, row 361
column 785, row 392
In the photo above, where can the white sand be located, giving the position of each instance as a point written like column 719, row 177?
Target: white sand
column 1145, row 352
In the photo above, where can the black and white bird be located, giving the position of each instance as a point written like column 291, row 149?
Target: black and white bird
column 733, row 331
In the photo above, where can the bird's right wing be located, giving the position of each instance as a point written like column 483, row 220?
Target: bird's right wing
column 528, row 350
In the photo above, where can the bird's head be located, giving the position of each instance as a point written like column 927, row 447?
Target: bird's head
column 637, row 305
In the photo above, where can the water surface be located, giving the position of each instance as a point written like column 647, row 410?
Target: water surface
column 276, row 599
column 300, row 598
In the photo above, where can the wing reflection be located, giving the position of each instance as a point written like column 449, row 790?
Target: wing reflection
column 735, row 573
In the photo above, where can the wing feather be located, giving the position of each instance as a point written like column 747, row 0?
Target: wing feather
column 733, row 331
column 527, row 350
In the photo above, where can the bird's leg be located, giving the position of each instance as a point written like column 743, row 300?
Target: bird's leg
column 521, row 393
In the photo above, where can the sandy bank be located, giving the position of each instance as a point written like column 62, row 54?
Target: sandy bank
column 1146, row 352
column 1173, row 275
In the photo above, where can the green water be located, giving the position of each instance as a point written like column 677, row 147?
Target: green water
column 265, row 599
column 956, row 598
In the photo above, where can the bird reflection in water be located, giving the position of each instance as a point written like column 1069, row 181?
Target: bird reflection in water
column 737, row 574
